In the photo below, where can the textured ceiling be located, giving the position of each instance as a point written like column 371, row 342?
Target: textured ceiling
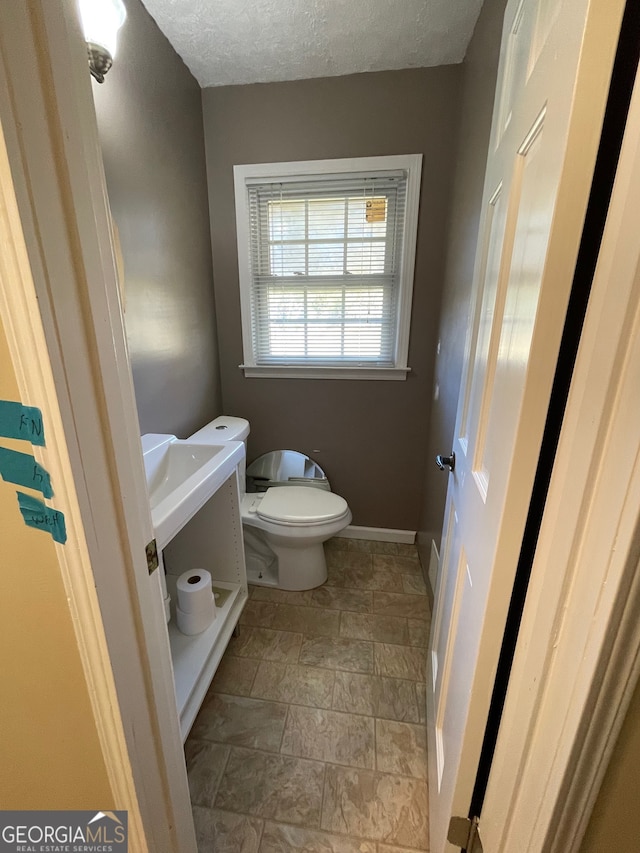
column 227, row 42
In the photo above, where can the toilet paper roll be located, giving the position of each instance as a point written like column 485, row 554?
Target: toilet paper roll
column 195, row 623
column 194, row 591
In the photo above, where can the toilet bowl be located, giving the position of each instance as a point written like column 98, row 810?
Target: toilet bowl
column 294, row 522
column 284, row 527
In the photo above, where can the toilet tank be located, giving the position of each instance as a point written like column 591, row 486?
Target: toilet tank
column 227, row 428
column 224, row 428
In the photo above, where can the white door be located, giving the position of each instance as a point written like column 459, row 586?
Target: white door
column 555, row 66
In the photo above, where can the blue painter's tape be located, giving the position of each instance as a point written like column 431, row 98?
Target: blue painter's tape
column 22, row 469
column 18, row 421
column 37, row 514
column 30, row 503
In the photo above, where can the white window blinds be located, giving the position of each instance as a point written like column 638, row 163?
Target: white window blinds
column 325, row 264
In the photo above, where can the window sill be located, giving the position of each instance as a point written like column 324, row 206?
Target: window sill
column 273, row 371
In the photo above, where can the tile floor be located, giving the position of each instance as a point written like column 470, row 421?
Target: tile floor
column 312, row 736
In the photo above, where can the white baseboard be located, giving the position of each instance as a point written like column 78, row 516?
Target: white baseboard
column 378, row 534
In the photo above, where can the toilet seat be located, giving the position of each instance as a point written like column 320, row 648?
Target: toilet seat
column 300, row 505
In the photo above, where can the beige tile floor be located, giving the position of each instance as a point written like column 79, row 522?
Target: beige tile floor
column 312, row 736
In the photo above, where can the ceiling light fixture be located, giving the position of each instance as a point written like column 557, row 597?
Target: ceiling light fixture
column 101, row 20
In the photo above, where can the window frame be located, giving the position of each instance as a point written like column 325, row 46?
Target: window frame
column 248, row 174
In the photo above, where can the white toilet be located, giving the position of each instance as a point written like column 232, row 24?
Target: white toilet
column 284, row 527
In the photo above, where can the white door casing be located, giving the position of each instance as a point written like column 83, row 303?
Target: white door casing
column 49, row 122
column 553, row 78
column 20, row 320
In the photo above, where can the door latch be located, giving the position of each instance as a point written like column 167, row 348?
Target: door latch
column 444, row 462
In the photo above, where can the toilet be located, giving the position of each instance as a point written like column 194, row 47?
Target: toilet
column 284, row 527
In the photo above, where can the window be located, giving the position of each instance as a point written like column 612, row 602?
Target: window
column 326, row 257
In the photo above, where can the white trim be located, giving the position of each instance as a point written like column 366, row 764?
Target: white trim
column 613, row 686
column 345, row 165
column 51, row 135
column 25, row 337
column 378, row 534
column 246, row 174
column 260, row 371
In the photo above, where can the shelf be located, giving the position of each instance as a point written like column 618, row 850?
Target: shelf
column 196, row 658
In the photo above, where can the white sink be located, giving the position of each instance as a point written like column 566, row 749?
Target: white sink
column 182, row 476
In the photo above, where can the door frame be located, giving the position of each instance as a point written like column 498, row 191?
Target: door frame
column 48, row 120
column 577, row 659
column 24, row 332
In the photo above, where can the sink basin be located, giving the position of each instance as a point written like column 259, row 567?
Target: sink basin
column 182, row 476
column 178, row 464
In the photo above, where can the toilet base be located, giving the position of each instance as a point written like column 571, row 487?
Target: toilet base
column 283, row 563
column 260, row 575
column 260, row 579
column 300, row 568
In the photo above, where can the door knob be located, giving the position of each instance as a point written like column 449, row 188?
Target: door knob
column 444, row 462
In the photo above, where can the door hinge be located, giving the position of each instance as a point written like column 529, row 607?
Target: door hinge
column 464, row 832
column 152, row 556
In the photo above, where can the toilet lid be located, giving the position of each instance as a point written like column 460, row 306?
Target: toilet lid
column 300, row 505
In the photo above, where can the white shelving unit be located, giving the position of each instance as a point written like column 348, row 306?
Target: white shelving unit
column 211, row 540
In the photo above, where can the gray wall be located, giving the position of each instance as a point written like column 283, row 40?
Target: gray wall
column 368, row 435
column 480, row 70
column 150, row 123
column 612, row 826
